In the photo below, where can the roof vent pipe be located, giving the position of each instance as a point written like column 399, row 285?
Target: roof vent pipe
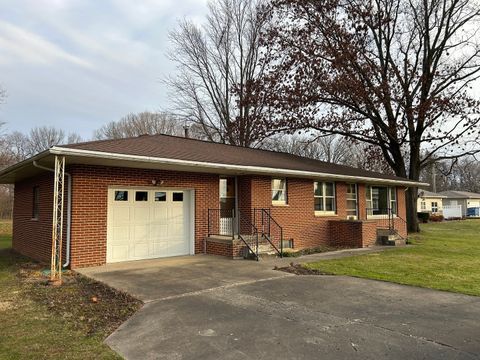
column 186, row 129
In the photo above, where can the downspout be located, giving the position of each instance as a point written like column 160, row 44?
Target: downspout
column 69, row 209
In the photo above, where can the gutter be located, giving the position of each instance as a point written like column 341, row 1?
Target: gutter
column 241, row 168
column 69, row 209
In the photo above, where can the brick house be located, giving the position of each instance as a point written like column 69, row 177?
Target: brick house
column 159, row 196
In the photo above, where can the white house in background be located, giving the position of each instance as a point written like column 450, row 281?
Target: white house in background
column 430, row 202
column 464, row 198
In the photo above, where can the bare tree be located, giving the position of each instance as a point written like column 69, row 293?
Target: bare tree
column 458, row 174
column 332, row 149
column 394, row 74
column 131, row 125
column 218, row 65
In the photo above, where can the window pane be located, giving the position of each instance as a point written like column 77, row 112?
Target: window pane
column 369, row 192
column 121, row 195
column 141, row 196
column 351, row 205
column 278, row 195
column 329, row 204
column 160, row 196
column 227, row 203
column 278, row 184
column 318, row 204
column 177, row 196
column 393, row 194
column 329, row 189
column 318, row 188
column 351, row 189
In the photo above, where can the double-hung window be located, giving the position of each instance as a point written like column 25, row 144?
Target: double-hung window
column 434, row 207
column 279, row 191
column 324, row 197
column 381, row 200
column 423, row 205
column 352, row 205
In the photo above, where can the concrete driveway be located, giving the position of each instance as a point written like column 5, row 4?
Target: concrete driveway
column 211, row 308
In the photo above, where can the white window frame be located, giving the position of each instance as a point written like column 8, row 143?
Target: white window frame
column 284, row 201
column 324, row 197
column 390, row 200
column 355, row 198
column 434, row 206
column 423, row 205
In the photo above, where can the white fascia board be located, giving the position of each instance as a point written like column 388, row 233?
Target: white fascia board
column 241, row 168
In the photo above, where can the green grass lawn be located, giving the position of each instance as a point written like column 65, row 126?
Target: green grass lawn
column 446, row 256
column 29, row 329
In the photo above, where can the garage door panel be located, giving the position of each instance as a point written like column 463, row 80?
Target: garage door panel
column 156, row 227
column 121, row 214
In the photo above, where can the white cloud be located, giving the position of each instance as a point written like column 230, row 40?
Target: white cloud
column 17, row 44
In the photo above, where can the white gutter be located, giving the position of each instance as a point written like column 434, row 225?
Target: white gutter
column 243, row 168
column 69, row 209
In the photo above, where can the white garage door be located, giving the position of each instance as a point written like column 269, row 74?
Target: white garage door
column 145, row 224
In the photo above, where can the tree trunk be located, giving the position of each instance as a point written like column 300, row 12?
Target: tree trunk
column 411, row 204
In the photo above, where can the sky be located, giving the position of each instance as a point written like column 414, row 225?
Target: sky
column 78, row 64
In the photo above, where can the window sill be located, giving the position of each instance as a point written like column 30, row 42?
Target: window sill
column 280, row 204
column 376, row 217
column 325, row 214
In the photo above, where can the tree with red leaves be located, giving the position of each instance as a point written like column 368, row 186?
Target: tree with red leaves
column 395, row 74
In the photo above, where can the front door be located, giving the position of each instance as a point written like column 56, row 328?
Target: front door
column 227, row 205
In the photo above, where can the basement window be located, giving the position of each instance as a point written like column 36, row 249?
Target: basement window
column 36, row 203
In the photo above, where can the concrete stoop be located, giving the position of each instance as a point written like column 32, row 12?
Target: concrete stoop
column 390, row 238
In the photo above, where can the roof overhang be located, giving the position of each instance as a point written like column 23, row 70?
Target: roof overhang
column 26, row 168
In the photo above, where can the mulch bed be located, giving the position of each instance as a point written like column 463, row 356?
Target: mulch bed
column 88, row 305
column 298, row 269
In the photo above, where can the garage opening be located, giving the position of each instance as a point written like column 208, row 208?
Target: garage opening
column 149, row 223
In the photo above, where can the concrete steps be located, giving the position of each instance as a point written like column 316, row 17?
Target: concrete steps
column 390, row 238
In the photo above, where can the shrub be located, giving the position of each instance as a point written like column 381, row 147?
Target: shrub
column 436, row 218
column 423, row 216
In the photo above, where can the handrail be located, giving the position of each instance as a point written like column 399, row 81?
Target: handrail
column 266, row 220
column 387, row 218
column 248, row 233
column 215, row 224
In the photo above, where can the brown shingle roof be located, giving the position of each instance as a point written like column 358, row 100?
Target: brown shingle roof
column 179, row 148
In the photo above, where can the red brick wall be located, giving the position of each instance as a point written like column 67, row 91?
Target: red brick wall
column 231, row 248
column 89, row 205
column 346, row 233
column 298, row 218
column 33, row 237
column 89, row 209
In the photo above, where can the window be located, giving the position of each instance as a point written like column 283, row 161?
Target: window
column 178, row 196
column 141, row 196
column 121, row 195
column 160, row 196
column 423, row 205
column 227, row 195
column 393, row 199
column 434, row 206
column 36, row 202
column 279, row 191
column 381, row 200
column 324, row 197
column 352, row 208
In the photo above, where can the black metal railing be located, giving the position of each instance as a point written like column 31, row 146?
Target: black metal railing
column 269, row 229
column 248, row 233
column 221, row 222
column 386, row 218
